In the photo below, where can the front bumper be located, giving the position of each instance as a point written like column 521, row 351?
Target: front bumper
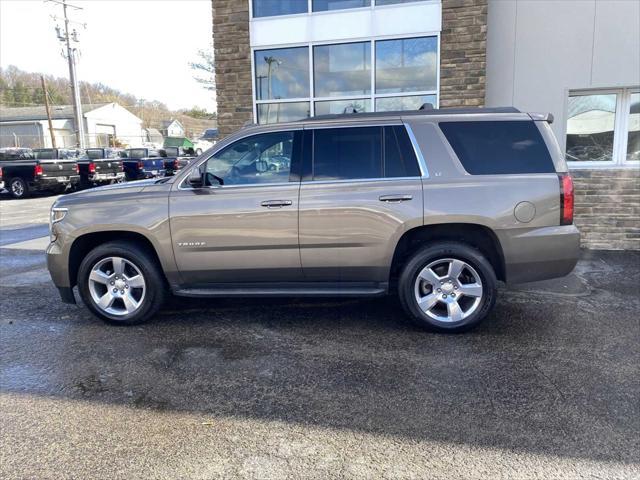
column 534, row 254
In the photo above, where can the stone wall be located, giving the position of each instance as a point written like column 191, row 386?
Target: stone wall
column 463, row 53
column 233, row 64
column 607, row 208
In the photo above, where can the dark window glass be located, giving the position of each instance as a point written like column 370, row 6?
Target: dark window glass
column 342, row 69
column 95, row 153
column 263, row 158
column 347, row 153
column 269, row 8
column 486, row 148
column 399, row 157
column 282, row 73
column 324, row 5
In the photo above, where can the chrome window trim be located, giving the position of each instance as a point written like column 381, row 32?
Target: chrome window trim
column 424, row 171
column 357, row 180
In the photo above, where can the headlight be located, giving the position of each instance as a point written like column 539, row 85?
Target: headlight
column 57, row 215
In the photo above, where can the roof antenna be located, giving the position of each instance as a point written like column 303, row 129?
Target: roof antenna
column 426, row 106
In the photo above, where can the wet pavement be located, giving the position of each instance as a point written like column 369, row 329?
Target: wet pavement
column 548, row 387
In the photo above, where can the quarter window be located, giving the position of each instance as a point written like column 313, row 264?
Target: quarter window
column 499, row 147
column 259, row 159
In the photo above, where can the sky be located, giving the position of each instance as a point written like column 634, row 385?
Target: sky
column 141, row 47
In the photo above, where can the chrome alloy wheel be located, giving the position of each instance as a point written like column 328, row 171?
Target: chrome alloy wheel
column 448, row 290
column 117, row 286
column 17, row 188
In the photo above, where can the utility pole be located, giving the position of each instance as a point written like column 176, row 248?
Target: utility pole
column 66, row 38
column 46, row 106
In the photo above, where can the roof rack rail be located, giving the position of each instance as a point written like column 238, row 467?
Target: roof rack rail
column 425, row 109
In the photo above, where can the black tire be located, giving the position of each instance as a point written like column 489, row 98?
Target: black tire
column 155, row 291
column 21, row 189
column 443, row 251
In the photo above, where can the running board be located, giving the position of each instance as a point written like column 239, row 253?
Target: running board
column 282, row 292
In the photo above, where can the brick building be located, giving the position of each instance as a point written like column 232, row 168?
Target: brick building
column 280, row 60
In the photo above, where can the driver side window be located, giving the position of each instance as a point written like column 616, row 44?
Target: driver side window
column 259, row 159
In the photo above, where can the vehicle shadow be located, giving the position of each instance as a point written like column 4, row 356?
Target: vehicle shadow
column 547, row 376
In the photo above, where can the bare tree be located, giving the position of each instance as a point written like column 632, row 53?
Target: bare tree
column 204, row 69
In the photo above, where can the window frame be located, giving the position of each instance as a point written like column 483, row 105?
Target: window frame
column 620, row 128
column 323, row 12
column 371, row 97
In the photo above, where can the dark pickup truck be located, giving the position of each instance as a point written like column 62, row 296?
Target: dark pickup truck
column 101, row 166
column 141, row 163
column 25, row 170
column 176, row 158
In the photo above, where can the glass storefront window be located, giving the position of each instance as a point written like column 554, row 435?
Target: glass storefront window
column 282, row 112
column 324, row 5
column 413, row 102
column 590, row 127
column 282, row 73
column 406, row 65
column 327, row 107
column 269, row 8
column 633, row 136
column 342, row 69
column 392, row 2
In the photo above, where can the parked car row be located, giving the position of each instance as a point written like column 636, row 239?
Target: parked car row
column 58, row 170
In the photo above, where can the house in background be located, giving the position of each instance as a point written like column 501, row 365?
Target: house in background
column 103, row 124
column 172, row 128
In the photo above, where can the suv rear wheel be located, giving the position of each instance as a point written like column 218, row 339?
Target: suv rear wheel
column 121, row 283
column 448, row 287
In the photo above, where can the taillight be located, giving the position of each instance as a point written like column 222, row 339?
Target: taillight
column 140, row 165
column 566, row 199
column 78, row 168
column 0, row 172
column 37, row 170
column 121, row 166
column 176, row 165
column 92, row 167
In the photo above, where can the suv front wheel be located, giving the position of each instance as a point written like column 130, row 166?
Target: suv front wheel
column 121, row 283
column 447, row 287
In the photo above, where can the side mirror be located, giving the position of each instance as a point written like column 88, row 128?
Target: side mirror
column 195, row 178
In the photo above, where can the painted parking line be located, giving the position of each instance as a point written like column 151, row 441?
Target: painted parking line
column 40, row 243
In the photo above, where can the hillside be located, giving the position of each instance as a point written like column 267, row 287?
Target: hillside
column 21, row 89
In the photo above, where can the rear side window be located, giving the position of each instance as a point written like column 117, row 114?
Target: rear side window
column 347, row 153
column 502, row 147
column 352, row 153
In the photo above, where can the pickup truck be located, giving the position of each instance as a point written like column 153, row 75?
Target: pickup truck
column 176, row 158
column 25, row 170
column 100, row 166
column 141, row 163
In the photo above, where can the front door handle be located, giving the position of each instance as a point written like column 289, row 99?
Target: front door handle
column 276, row 203
column 395, row 198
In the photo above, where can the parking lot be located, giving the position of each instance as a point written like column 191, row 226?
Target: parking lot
column 548, row 387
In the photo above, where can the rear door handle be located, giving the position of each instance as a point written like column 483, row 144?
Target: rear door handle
column 395, row 198
column 276, row 203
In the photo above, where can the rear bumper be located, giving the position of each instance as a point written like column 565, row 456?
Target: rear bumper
column 47, row 183
column 106, row 177
column 535, row 254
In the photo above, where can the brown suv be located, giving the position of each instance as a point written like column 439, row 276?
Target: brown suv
column 434, row 205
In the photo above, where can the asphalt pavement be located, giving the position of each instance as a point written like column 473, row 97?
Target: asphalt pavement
column 547, row 388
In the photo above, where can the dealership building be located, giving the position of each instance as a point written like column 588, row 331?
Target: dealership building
column 282, row 60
